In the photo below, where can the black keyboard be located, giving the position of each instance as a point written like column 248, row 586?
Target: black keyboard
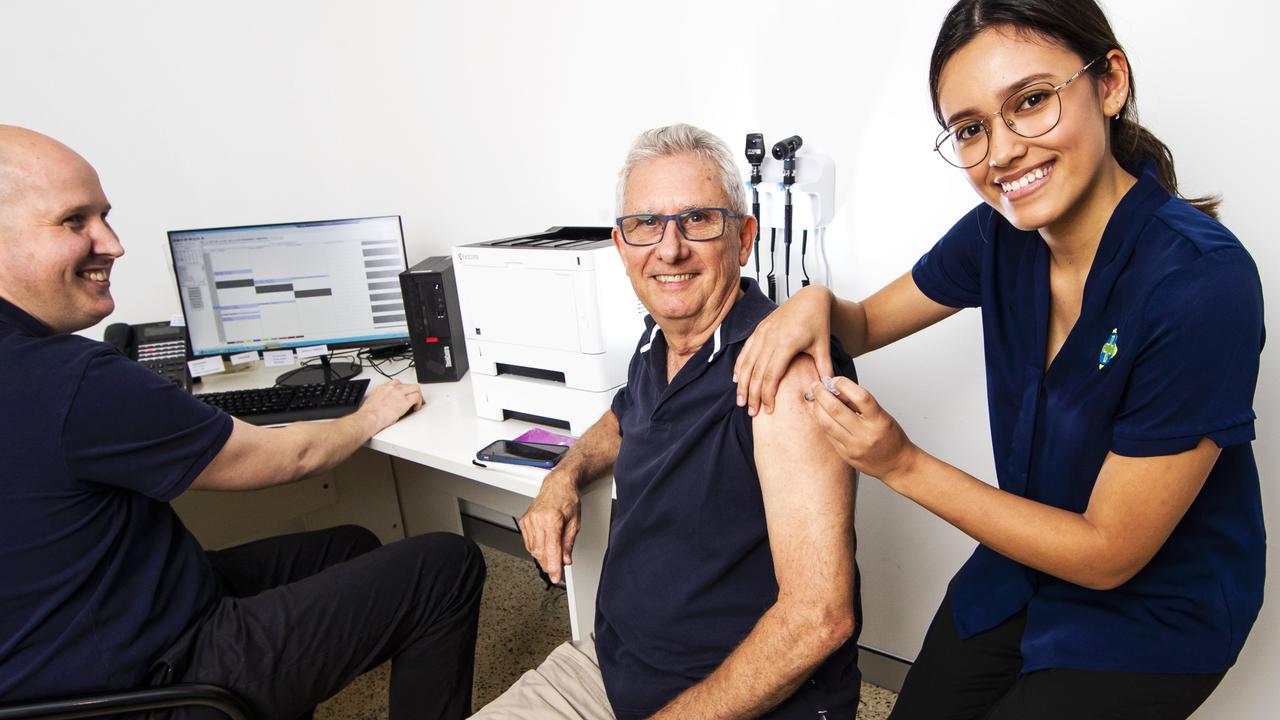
column 283, row 403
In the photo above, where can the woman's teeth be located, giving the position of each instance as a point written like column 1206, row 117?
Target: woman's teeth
column 1025, row 180
column 95, row 275
column 673, row 278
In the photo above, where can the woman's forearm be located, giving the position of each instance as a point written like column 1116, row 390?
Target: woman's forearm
column 1135, row 504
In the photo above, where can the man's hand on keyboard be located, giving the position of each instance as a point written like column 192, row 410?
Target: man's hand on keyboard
column 391, row 401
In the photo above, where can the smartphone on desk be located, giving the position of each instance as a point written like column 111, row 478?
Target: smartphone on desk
column 523, row 453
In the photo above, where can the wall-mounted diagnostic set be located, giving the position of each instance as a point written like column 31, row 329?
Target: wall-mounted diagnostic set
column 795, row 193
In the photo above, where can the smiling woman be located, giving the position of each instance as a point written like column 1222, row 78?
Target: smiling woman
column 1086, row 35
column 1121, row 559
column 1046, row 164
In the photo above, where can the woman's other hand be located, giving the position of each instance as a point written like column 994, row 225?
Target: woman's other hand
column 862, row 432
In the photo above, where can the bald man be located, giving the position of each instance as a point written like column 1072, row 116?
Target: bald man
column 102, row 587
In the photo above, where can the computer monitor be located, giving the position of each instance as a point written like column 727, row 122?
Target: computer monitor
column 288, row 285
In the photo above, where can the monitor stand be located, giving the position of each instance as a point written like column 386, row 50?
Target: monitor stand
column 326, row 372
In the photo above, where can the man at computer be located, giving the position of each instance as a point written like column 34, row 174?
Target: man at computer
column 102, row 587
column 729, row 588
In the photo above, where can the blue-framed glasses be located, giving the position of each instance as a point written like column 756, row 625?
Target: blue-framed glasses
column 696, row 224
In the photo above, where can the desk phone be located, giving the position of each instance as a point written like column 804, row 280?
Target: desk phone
column 159, row 346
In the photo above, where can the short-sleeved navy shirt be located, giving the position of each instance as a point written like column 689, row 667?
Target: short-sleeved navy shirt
column 1165, row 352
column 688, row 571
column 98, row 576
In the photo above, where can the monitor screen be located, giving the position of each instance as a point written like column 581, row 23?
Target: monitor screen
column 262, row 287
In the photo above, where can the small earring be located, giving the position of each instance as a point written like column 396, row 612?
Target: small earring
column 1117, row 116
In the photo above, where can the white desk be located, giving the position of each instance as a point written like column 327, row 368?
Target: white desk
column 430, row 468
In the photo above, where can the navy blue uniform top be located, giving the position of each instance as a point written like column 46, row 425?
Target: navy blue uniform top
column 97, row 574
column 688, row 571
column 1164, row 353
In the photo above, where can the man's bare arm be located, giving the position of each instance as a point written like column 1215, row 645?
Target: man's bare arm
column 256, row 457
column 809, row 500
column 551, row 523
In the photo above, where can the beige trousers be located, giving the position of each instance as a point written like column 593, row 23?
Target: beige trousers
column 566, row 685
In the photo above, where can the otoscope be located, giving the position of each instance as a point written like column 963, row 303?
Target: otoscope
column 785, row 150
column 755, row 156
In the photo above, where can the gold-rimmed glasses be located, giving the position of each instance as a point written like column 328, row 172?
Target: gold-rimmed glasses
column 1030, row 112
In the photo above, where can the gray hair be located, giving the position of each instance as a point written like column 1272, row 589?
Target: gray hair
column 681, row 138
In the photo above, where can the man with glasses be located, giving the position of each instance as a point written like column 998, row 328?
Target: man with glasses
column 729, row 588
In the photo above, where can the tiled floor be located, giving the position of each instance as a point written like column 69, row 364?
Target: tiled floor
column 520, row 622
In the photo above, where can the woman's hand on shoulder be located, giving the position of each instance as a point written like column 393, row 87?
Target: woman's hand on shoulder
column 800, row 325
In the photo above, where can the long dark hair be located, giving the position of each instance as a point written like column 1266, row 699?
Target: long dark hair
column 1081, row 27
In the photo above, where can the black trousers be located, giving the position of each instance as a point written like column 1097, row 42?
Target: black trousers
column 981, row 679
column 302, row 615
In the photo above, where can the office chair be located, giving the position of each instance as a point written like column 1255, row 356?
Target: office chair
column 124, row 701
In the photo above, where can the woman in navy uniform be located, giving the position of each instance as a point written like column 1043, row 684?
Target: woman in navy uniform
column 1120, row 562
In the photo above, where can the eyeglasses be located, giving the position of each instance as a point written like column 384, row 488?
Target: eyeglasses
column 696, row 224
column 1030, row 112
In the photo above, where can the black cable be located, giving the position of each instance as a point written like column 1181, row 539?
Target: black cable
column 804, row 248
column 755, row 211
column 773, row 281
column 786, row 241
column 377, row 365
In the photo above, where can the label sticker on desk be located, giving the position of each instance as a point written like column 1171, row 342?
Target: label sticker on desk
column 205, row 366
column 277, row 358
column 177, row 320
column 244, row 358
column 311, row 351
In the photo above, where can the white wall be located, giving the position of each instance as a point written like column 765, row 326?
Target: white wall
column 476, row 120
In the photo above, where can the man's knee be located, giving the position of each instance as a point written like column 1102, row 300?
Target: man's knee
column 450, row 552
column 355, row 540
column 568, row 680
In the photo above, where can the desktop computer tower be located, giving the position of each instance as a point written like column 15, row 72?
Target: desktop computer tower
column 435, row 320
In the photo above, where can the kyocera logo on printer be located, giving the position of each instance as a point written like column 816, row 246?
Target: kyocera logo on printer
column 468, row 256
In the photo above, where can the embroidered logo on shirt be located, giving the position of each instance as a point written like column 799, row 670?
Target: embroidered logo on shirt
column 1109, row 349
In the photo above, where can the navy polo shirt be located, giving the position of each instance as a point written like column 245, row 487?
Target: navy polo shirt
column 688, row 571
column 1165, row 353
column 97, row 574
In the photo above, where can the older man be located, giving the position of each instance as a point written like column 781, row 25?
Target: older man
column 101, row 586
column 729, row 588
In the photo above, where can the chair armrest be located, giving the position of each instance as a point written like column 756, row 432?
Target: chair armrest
column 111, row 703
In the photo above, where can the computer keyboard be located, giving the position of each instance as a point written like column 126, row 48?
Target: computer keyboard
column 283, row 403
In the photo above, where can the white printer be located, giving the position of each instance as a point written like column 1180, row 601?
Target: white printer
column 551, row 322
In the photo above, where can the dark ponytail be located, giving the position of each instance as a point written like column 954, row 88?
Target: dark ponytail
column 1081, row 27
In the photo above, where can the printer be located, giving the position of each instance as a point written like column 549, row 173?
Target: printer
column 550, row 321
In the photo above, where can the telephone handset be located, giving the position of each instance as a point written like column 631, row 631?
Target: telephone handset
column 159, row 346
